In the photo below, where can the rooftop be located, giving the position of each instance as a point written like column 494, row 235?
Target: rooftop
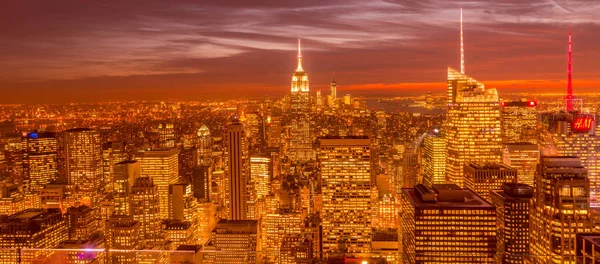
column 468, row 199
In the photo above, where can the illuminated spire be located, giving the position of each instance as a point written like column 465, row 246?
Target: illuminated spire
column 570, row 96
column 462, row 46
column 299, row 69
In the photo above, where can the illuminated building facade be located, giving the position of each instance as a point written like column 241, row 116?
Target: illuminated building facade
column 274, row 130
column 519, row 121
column 410, row 167
column 30, row 228
column 234, row 241
column 179, row 233
column 575, row 135
column 482, row 178
column 82, row 222
column 125, row 173
column 512, row 204
column 206, row 220
column 434, row 160
column 345, row 166
column 166, row 135
column 146, row 210
column 40, row 160
column 260, row 171
column 237, row 150
column 472, row 125
column 82, row 163
column 112, row 153
column 561, row 208
column 204, row 146
column 524, row 157
column 123, row 233
column 446, row 224
column 300, row 134
column 202, row 182
column 162, row 166
column 276, row 227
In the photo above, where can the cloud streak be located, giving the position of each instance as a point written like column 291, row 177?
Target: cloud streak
column 204, row 45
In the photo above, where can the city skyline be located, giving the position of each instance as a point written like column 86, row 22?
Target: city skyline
column 72, row 51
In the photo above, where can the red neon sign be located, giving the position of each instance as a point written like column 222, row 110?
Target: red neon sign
column 583, row 123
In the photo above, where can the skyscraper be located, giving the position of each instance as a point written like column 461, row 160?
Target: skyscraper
column 83, row 159
column 519, row 121
column 237, row 171
column 123, row 233
column 561, row 204
column 202, row 182
column 574, row 134
column 481, row 178
column 146, row 209
column 472, row 125
column 472, row 122
column 40, row 160
column 345, row 166
column 524, row 157
column 333, row 87
column 204, row 146
column 31, row 228
column 234, row 241
column 512, row 204
column 301, row 139
column 446, row 224
column 125, row 174
column 434, row 160
column 166, row 135
column 162, row 166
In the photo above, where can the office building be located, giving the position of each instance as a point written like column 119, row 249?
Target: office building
column 234, row 241
column 166, row 135
column 519, row 121
column 237, row 171
column 82, row 164
column 123, row 233
column 345, row 167
column 125, row 173
column 561, row 208
column 482, row 178
column 202, row 182
column 472, row 125
column 82, row 222
column 512, row 204
column 446, row 224
column 40, row 160
column 260, row 173
column 146, row 210
column 30, row 229
column 204, row 146
column 275, row 228
column 162, row 166
column 523, row 157
column 300, row 134
column 434, row 159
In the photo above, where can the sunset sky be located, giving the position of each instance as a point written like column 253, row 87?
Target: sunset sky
column 73, row 50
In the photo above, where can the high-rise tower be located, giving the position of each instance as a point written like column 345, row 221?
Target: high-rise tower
column 40, row 160
column 83, row 158
column 345, row 166
column 472, row 124
column 300, row 141
column 237, row 171
column 569, row 98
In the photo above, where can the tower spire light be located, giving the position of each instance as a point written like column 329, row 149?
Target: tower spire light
column 462, row 47
column 299, row 57
column 570, row 96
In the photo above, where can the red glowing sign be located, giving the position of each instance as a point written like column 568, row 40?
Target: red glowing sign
column 582, row 123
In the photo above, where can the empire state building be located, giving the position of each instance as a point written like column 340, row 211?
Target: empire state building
column 300, row 142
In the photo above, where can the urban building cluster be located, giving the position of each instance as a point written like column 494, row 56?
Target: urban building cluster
column 307, row 178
